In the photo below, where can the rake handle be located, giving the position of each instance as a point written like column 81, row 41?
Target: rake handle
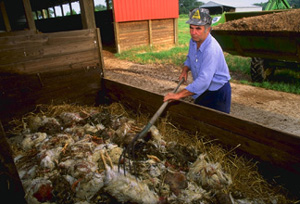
column 159, row 111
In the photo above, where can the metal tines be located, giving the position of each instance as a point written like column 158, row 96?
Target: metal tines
column 129, row 150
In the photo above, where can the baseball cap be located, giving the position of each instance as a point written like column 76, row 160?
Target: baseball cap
column 199, row 16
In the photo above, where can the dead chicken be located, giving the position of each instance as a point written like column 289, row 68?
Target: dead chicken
column 126, row 188
column 70, row 119
column 38, row 190
column 191, row 194
column 33, row 140
column 207, row 174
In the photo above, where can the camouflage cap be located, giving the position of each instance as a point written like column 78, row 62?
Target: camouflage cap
column 199, row 16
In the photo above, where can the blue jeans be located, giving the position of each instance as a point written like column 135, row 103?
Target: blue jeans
column 219, row 100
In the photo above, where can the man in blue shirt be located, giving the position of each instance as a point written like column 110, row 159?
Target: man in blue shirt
column 210, row 87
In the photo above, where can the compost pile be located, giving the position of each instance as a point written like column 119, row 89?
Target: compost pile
column 288, row 20
column 69, row 154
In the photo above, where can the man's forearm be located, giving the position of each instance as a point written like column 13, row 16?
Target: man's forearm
column 184, row 93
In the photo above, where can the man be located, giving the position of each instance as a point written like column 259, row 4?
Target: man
column 210, row 87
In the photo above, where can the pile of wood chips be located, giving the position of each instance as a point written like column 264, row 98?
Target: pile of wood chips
column 288, row 20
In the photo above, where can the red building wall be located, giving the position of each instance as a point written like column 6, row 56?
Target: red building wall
column 135, row 10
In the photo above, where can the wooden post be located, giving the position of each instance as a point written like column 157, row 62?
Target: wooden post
column 48, row 13
column 5, row 17
column 175, row 31
column 62, row 10
column 29, row 16
column 150, row 32
column 99, row 43
column 116, row 27
column 71, row 10
column 107, row 5
column 11, row 185
column 54, row 12
column 87, row 14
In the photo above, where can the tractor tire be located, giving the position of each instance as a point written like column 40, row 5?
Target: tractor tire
column 258, row 71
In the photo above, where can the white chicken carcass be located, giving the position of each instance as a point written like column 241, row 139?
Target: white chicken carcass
column 38, row 190
column 32, row 140
column 208, row 174
column 49, row 158
column 70, row 119
column 192, row 194
column 126, row 188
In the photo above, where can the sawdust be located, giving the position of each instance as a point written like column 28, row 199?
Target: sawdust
column 284, row 21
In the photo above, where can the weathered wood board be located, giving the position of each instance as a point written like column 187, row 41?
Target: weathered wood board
column 157, row 32
column 37, row 68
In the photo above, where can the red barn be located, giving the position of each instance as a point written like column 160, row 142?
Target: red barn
column 141, row 22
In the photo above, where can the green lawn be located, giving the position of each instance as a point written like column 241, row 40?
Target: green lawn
column 283, row 80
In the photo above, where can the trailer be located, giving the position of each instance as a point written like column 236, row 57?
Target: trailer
column 268, row 50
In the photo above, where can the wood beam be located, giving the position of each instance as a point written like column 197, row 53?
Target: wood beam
column 62, row 10
column 71, row 9
column 5, row 17
column 117, row 37
column 28, row 14
column 107, row 5
column 150, row 32
column 175, row 31
column 11, row 185
column 48, row 13
column 54, row 12
column 87, row 14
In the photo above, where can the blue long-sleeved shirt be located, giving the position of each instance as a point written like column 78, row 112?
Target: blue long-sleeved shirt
column 208, row 66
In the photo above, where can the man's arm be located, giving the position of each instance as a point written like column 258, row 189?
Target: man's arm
column 176, row 96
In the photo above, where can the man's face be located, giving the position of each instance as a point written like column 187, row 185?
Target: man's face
column 198, row 33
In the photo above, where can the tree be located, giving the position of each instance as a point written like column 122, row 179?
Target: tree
column 294, row 3
column 69, row 13
column 100, row 7
column 186, row 5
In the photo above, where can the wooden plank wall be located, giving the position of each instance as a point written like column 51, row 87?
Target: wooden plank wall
column 48, row 68
column 159, row 32
column 163, row 32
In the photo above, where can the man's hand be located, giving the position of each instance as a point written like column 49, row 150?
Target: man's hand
column 184, row 73
column 171, row 97
column 176, row 96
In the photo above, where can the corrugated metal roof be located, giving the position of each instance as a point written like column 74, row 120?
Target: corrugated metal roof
column 134, row 10
column 234, row 3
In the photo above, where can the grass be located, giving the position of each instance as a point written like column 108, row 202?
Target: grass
column 286, row 80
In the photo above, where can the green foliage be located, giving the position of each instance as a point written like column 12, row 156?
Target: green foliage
column 69, row 13
column 100, row 7
column 186, row 5
column 294, row 3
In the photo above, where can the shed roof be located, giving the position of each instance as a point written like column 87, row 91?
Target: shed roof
column 43, row 4
column 231, row 3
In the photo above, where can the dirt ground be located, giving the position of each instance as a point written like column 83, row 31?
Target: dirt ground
column 277, row 110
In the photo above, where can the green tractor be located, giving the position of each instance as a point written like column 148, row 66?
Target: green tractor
column 268, row 50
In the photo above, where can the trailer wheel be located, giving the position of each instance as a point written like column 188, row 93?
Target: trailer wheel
column 258, row 71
